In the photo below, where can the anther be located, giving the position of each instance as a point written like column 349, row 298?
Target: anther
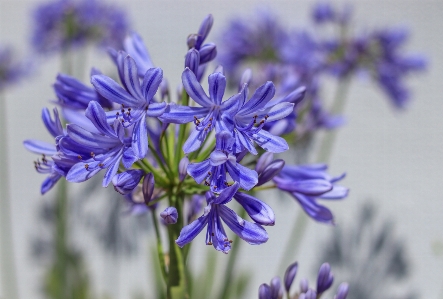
column 212, row 234
column 209, row 243
column 87, row 166
column 230, row 241
column 92, row 154
column 79, row 157
column 101, row 165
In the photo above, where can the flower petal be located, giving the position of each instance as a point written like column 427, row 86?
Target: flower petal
column 256, row 209
column 308, row 187
column 217, row 158
column 190, row 231
column 247, row 178
column 92, row 140
column 252, row 233
column 151, row 82
column 53, row 126
column 194, row 89
column 199, row 171
column 129, row 158
column 194, row 140
column 49, row 182
column 140, row 139
column 259, row 99
column 40, row 147
column 135, row 47
column 156, row 109
column 130, row 78
column 182, row 114
column 111, row 90
column 227, row 194
column 269, row 142
column 337, row 192
column 97, row 116
column 80, row 172
column 217, row 86
column 126, row 181
column 314, row 210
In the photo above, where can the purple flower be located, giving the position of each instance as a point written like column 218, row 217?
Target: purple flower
column 73, row 94
column 47, row 150
column 342, row 291
column 324, row 278
column 290, row 273
column 136, row 100
column 169, row 215
column 221, row 161
column 106, row 149
column 63, row 24
column 215, row 113
column 10, row 70
column 216, row 211
column 307, row 184
column 125, row 182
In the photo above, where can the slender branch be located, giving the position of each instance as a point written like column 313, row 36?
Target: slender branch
column 160, row 253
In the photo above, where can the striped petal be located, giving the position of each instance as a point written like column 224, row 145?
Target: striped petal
column 194, row 89
column 111, row 90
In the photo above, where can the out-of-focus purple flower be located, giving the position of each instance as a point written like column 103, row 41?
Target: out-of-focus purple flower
column 264, row 292
column 304, row 285
column 62, row 24
column 324, row 278
column 216, row 211
column 323, row 12
column 342, row 291
column 10, row 70
column 169, row 215
column 307, row 184
column 125, row 182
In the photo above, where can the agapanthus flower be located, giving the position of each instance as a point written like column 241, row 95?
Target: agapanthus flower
column 106, row 149
column 10, row 70
column 307, row 184
column 221, row 161
column 62, row 24
column 136, row 100
column 169, row 215
column 215, row 211
column 215, row 113
column 47, row 150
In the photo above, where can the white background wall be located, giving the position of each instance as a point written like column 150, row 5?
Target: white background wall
column 392, row 157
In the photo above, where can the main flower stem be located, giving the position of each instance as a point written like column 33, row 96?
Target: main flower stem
column 324, row 155
column 7, row 268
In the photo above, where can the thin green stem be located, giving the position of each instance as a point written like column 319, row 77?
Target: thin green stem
column 61, row 247
column 160, row 253
column 229, row 272
column 7, row 260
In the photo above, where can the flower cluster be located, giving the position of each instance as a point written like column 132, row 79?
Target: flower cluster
column 10, row 71
column 276, row 289
column 138, row 139
column 62, row 24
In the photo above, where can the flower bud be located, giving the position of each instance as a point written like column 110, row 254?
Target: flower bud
column 169, row 215
column 245, row 79
column 263, row 161
column 126, row 181
column 276, row 288
column 270, row 171
column 148, row 187
column 182, row 168
column 204, row 29
column 304, row 285
column 342, row 291
column 310, row 294
column 324, row 278
column 264, row 292
column 192, row 39
column 207, row 52
column 192, row 60
column 290, row 273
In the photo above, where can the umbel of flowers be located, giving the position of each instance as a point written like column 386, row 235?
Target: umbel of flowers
column 160, row 152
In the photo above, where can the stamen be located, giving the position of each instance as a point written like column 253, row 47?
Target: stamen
column 87, row 166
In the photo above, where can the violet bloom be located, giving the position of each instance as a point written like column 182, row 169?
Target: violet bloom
column 308, row 183
column 215, row 113
column 10, row 71
column 221, row 161
column 169, row 215
column 137, row 100
column 106, row 149
column 62, row 24
column 47, row 150
column 216, row 211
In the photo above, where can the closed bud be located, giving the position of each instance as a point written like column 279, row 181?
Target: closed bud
column 324, row 278
column 342, row 291
column 169, row 215
column 204, row 29
column 192, row 60
column 264, row 292
column 182, row 168
column 310, row 294
column 270, row 171
column 290, row 273
column 192, row 39
column 264, row 161
column 207, row 53
column 304, row 285
column 276, row 288
column 148, row 187
column 126, row 181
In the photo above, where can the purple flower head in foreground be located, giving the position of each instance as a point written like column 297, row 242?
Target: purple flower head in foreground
column 105, row 149
column 169, row 215
column 307, row 184
column 73, row 94
column 221, row 161
column 213, row 114
column 47, row 150
column 252, row 115
column 62, row 24
column 10, row 71
column 137, row 100
column 216, row 211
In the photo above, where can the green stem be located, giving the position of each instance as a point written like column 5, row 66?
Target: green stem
column 160, row 253
column 7, row 259
column 301, row 222
column 229, row 272
column 61, row 247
